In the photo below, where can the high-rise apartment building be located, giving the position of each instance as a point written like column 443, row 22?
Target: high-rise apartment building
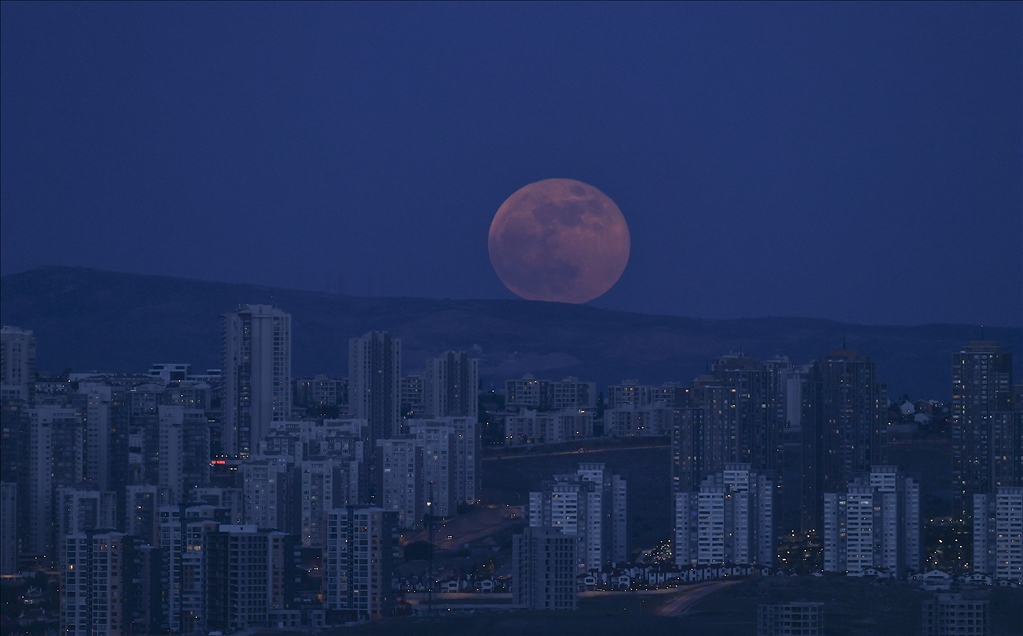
column 590, row 504
column 450, row 462
column 99, row 449
column 182, row 532
column 754, row 393
column 572, row 507
column 544, row 569
column 14, row 437
column 184, row 458
column 437, row 477
column 729, row 519
column 55, row 460
column 873, row 523
column 413, row 396
column 728, row 416
column 451, row 386
column 374, row 383
column 614, row 504
column 844, row 428
column 985, row 433
column 322, row 485
column 150, row 611
column 17, row 363
column 242, row 584
column 362, row 544
column 270, row 490
column 141, row 503
column 256, row 375
column 80, row 510
column 8, row 528
column 98, row 593
column 401, row 463
column 998, row 533
column 106, row 422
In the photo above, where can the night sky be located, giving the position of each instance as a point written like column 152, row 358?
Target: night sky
column 860, row 162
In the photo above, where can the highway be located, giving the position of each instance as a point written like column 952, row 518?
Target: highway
column 690, row 596
column 583, row 451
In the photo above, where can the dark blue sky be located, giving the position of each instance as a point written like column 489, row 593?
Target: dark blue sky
column 860, row 162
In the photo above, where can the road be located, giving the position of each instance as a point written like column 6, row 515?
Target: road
column 690, row 596
column 585, row 451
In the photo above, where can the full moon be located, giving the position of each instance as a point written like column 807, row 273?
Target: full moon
column 559, row 240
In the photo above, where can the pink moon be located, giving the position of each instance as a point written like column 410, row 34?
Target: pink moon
column 559, row 240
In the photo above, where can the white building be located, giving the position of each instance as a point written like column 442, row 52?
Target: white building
column 450, row 464
column 874, row 523
column 998, row 534
column 570, row 393
column 257, row 375
column 730, row 519
column 632, row 421
column 632, row 394
column 532, row 427
column 591, row 505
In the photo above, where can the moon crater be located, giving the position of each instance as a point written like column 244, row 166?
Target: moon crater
column 559, row 240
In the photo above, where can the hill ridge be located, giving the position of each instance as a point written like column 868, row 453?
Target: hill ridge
column 77, row 314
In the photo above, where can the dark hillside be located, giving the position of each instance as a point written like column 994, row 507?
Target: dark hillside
column 93, row 320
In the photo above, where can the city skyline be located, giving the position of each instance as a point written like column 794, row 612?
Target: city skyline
column 231, row 516
column 507, row 318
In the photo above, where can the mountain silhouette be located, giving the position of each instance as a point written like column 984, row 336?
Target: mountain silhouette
column 87, row 320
